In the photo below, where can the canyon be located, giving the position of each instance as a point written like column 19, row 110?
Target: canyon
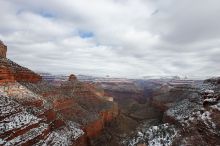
column 75, row 110
column 36, row 112
column 168, row 112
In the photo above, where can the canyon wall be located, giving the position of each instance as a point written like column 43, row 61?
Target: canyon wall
column 11, row 72
column 191, row 117
column 54, row 114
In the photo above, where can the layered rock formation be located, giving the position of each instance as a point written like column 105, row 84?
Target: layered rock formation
column 71, row 119
column 191, row 117
column 26, row 120
column 36, row 112
column 135, row 108
column 11, row 72
column 74, row 101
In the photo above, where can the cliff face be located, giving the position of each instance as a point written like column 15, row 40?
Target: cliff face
column 197, row 117
column 36, row 112
column 122, row 91
column 11, row 72
column 27, row 119
column 164, row 101
column 71, row 119
column 74, row 101
column 97, row 110
column 135, row 108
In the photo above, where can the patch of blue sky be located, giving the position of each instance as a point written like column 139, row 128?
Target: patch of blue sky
column 86, row 34
column 46, row 14
column 42, row 13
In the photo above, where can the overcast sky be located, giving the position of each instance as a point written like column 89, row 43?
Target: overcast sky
column 121, row 38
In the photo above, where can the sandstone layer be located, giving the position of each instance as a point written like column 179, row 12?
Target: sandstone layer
column 11, row 72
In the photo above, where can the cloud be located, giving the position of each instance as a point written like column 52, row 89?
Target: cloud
column 113, row 37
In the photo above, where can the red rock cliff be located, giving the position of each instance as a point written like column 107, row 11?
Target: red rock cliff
column 11, row 72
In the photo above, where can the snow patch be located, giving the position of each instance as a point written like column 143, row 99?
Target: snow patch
column 65, row 135
column 27, row 136
column 216, row 107
column 208, row 91
column 210, row 100
column 155, row 136
column 17, row 121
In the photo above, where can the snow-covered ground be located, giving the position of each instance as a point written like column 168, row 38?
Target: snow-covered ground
column 63, row 136
column 163, row 134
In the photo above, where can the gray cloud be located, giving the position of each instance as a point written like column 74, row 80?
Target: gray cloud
column 115, row 37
